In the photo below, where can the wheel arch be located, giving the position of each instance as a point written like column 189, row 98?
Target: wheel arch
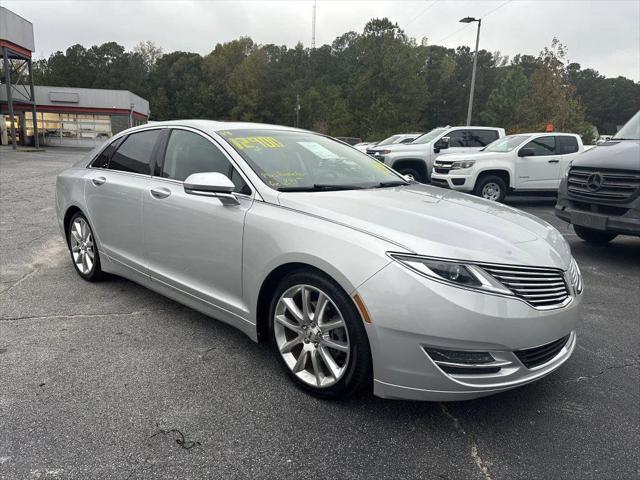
column 409, row 162
column 273, row 278
column 68, row 214
column 499, row 172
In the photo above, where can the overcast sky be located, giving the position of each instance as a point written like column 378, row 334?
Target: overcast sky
column 604, row 34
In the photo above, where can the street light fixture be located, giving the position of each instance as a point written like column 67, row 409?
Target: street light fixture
column 475, row 62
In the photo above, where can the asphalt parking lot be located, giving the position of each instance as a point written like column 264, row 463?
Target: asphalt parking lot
column 112, row 381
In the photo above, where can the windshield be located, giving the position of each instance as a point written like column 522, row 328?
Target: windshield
column 506, row 144
column 389, row 140
column 297, row 161
column 631, row 129
column 427, row 137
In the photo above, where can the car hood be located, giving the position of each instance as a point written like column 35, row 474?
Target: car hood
column 401, row 147
column 618, row 154
column 475, row 156
column 443, row 223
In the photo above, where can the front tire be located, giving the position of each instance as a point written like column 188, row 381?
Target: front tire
column 595, row 237
column 412, row 174
column 491, row 188
column 318, row 336
column 83, row 248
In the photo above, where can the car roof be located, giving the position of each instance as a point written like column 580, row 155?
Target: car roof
column 544, row 133
column 216, row 125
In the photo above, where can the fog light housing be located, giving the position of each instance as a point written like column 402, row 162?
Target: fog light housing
column 459, row 356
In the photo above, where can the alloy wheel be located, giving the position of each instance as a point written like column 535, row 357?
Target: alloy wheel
column 82, row 248
column 491, row 191
column 311, row 335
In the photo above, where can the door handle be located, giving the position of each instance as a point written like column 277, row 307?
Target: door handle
column 97, row 181
column 555, row 160
column 160, row 192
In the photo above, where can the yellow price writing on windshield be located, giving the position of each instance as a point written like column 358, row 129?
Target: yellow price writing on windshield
column 243, row 143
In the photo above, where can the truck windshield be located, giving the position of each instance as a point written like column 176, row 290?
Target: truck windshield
column 506, row 144
column 427, row 137
column 389, row 140
column 631, row 129
column 298, row 161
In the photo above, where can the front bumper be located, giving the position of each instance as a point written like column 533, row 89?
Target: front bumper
column 617, row 217
column 428, row 314
column 454, row 182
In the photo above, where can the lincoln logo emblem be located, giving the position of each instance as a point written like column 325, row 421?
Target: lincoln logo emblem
column 594, row 182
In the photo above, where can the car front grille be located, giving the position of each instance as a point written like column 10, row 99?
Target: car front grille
column 442, row 166
column 540, row 287
column 603, row 184
column 534, row 357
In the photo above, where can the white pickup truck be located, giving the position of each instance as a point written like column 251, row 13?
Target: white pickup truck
column 415, row 160
column 526, row 162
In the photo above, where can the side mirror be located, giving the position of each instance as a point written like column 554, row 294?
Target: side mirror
column 526, row 152
column 441, row 144
column 211, row 184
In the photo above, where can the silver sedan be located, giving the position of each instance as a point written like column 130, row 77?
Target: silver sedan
column 355, row 276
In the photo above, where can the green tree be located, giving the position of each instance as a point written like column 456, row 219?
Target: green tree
column 508, row 102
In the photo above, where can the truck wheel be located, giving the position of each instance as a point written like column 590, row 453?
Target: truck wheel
column 491, row 188
column 412, row 174
column 596, row 237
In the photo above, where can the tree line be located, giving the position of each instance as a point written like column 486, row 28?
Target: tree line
column 370, row 84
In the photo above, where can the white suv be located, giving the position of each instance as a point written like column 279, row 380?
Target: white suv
column 415, row 159
column 522, row 162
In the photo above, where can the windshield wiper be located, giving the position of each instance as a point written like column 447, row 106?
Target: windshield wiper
column 393, row 183
column 316, row 187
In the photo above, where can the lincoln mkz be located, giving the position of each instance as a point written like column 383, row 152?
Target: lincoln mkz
column 354, row 275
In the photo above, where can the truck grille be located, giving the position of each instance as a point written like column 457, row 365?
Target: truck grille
column 442, row 166
column 603, row 184
column 540, row 287
column 534, row 357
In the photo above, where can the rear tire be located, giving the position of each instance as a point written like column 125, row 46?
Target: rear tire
column 595, row 237
column 491, row 188
column 83, row 248
column 324, row 350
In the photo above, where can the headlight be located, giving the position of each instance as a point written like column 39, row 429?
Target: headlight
column 455, row 273
column 462, row 164
column 382, row 152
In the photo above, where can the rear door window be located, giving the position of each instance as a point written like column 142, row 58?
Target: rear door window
column 134, row 155
column 542, row 146
column 567, row 144
column 457, row 138
column 481, row 138
column 102, row 160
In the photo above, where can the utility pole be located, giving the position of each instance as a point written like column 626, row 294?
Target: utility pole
column 313, row 26
column 297, row 110
column 475, row 62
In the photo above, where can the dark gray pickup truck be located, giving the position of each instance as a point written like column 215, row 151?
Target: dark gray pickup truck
column 600, row 194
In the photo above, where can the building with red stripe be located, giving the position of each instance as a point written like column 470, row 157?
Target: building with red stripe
column 64, row 115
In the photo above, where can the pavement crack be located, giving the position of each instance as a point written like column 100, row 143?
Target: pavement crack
column 180, row 440
column 475, row 452
column 583, row 378
column 21, row 279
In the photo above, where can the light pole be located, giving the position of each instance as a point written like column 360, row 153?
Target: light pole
column 475, row 62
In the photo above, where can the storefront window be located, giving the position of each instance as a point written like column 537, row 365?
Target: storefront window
column 70, row 128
